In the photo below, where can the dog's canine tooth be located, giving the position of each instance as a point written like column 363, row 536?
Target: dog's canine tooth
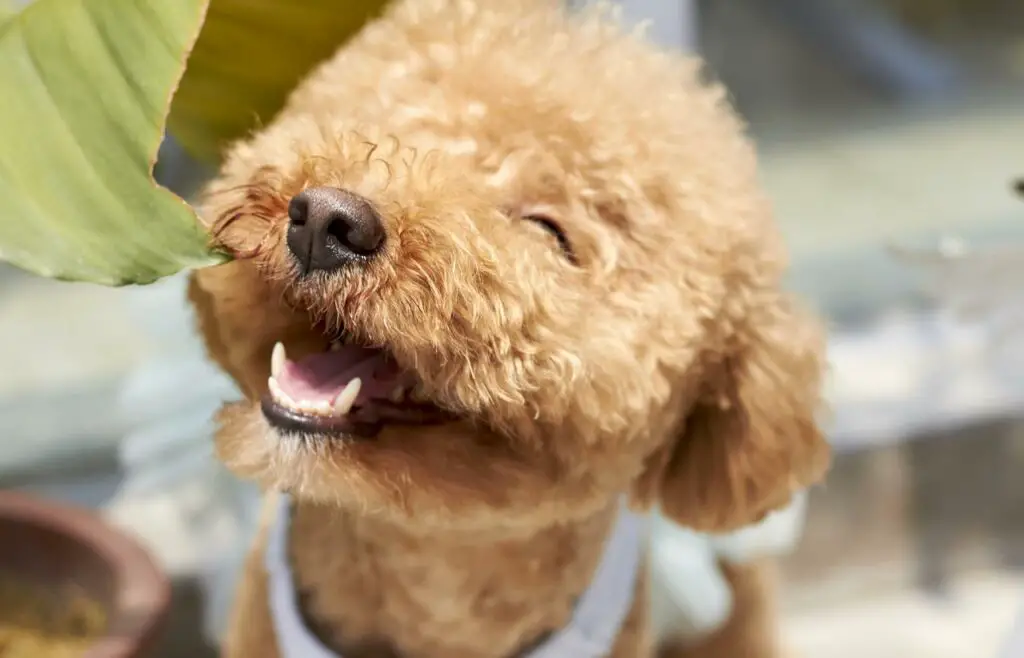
column 277, row 360
column 343, row 404
column 398, row 394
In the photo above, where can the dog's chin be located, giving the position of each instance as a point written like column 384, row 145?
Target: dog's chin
column 452, row 475
column 385, row 469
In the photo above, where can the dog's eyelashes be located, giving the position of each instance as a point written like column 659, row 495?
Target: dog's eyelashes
column 555, row 229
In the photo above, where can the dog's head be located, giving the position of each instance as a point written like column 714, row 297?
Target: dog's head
column 516, row 264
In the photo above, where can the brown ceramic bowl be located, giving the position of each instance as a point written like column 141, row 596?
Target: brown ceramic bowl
column 55, row 544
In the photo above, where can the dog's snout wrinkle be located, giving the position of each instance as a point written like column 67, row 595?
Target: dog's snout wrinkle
column 330, row 228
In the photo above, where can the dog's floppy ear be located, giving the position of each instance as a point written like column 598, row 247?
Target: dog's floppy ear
column 751, row 439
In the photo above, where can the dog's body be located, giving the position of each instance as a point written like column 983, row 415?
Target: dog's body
column 546, row 237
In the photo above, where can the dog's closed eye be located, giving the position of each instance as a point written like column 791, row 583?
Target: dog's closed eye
column 549, row 224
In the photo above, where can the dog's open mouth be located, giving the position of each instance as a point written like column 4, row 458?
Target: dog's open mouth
column 345, row 390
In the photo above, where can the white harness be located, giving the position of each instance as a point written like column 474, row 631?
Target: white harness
column 691, row 596
column 591, row 633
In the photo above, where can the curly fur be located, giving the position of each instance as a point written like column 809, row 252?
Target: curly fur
column 661, row 359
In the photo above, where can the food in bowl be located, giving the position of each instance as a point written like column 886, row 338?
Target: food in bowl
column 40, row 622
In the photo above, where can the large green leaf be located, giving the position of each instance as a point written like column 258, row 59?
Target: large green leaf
column 85, row 86
column 249, row 56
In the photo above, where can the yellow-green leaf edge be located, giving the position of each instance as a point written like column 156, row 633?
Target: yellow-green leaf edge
column 249, row 56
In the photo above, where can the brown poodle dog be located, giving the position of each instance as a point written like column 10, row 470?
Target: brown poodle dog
column 519, row 267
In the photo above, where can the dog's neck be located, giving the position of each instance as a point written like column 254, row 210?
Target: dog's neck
column 369, row 588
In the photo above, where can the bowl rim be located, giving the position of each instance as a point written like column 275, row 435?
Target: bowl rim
column 142, row 589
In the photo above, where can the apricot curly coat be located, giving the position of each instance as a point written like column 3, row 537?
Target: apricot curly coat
column 661, row 359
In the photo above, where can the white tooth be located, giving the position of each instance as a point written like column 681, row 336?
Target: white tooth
column 280, row 396
column 275, row 390
column 398, row 394
column 344, row 401
column 277, row 360
column 323, row 408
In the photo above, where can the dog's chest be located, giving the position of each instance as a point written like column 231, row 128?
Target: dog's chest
column 370, row 594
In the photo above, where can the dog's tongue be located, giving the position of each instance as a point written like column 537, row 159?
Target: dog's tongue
column 321, row 377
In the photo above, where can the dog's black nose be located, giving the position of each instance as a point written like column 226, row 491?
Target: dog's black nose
column 330, row 228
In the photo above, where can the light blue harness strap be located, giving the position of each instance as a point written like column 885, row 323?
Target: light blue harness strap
column 294, row 640
column 603, row 607
column 591, row 633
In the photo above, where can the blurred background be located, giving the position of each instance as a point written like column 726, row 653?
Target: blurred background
column 891, row 132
